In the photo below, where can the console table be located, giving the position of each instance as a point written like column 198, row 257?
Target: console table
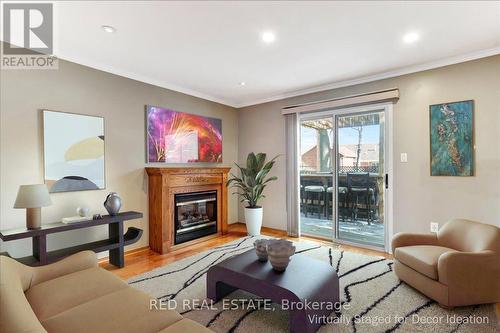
column 115, row 242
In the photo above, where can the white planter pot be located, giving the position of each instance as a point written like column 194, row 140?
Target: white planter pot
column 253, row 220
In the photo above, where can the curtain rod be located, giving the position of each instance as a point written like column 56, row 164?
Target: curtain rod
column 351, row 100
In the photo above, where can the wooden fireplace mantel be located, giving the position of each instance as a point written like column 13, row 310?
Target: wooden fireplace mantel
column 164, row 183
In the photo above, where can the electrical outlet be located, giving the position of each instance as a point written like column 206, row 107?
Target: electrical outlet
column 434, row 227
column 404, row 157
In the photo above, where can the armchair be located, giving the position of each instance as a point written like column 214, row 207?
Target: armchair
column 458, row 266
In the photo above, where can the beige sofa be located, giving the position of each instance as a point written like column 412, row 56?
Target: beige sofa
column 460, row 265
column 75, row 295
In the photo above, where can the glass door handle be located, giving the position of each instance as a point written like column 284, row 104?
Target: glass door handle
column 386, row 181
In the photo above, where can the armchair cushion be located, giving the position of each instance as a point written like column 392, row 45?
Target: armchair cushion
column 422, row 258
column 407, row 239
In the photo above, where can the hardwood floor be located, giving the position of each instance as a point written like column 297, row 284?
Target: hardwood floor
column 143, row 260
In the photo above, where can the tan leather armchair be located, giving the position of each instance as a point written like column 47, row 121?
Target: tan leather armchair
column 458, row 266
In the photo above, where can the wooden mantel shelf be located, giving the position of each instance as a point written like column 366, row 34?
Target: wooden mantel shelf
column 164, row 184
column 179, row 170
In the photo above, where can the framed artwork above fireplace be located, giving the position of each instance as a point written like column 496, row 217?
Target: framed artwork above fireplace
column 178, row 137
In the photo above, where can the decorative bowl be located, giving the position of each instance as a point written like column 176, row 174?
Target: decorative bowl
column 260, row 246
column 279, row 252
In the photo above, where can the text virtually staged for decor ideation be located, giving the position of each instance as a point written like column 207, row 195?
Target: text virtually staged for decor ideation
column 263, row 304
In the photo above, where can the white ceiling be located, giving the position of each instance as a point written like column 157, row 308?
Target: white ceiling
column 206, row 48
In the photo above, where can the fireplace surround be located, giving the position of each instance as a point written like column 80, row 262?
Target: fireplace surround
column 186, row 206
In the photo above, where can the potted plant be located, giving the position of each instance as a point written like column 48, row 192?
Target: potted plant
column 250, row 186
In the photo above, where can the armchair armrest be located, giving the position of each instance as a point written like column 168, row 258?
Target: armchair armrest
column 470, row 269
column 408, row 239
column 74, row 263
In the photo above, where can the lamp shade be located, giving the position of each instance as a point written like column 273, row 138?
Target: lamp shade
column 32, row 196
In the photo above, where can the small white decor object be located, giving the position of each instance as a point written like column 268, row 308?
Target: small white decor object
column 75, row 219
column 83, row 211
column 253, row 220
column 260, row 246
column 279, row 252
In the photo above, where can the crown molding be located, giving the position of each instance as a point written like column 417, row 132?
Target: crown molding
column 334, row 85
column 380, row 76
column 147, row 80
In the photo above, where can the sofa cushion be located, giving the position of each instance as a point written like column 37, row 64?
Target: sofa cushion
column 422, row 258
column 185, row 326
column 60, row 294
column 16, row 314
column 125, row 311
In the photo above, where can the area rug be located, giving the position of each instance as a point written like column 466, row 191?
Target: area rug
column 376, row 300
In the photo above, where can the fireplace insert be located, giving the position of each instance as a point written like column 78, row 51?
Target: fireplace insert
column 195, row 215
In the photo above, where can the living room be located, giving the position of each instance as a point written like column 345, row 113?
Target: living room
column 238, row 166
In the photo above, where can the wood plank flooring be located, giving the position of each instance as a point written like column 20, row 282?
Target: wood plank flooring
column 143, row 260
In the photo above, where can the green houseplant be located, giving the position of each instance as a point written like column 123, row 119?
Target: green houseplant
column 250, row 186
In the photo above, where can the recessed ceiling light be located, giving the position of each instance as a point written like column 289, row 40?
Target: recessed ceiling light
column 411, row 37
column 242, row 83
column 108, row 28
column 268, row 37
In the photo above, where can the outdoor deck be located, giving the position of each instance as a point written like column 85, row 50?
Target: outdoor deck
column 352, row 231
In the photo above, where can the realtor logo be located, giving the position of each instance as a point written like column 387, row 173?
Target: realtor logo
column 28, row 36
column 28, row 28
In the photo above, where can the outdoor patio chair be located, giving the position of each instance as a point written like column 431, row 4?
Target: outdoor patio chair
column 360, row 195
column 343, row 207
column 314, row 199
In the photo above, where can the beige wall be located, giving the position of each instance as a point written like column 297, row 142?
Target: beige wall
column 121, row 101
column 418, row 197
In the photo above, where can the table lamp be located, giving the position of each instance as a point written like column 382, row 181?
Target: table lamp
column 33, row 197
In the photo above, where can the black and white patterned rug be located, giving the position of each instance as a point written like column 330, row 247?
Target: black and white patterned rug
column 377, row 300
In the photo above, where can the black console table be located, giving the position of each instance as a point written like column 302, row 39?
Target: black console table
column 115, row 242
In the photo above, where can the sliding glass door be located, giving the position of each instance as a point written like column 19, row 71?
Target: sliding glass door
column 343, row 176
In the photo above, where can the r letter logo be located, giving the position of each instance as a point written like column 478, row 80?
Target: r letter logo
column 28, row 28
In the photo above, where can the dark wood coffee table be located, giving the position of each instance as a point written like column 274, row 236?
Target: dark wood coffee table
column 306, row 280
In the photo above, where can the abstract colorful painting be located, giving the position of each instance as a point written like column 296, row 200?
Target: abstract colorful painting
column 451, row 129
column 178, row 137
column 73, row 148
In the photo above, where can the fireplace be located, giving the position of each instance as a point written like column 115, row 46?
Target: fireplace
column 186, row 206
column 195, row 215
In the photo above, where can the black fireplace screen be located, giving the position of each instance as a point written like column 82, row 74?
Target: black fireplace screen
column 195, row 215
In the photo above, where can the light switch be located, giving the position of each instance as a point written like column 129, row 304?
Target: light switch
column 404, row 157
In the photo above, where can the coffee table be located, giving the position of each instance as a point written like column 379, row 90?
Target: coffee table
column 305, row 281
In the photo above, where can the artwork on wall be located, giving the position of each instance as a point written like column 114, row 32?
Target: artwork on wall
column 451, row 131
column 178, row 137
column 73, row 149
